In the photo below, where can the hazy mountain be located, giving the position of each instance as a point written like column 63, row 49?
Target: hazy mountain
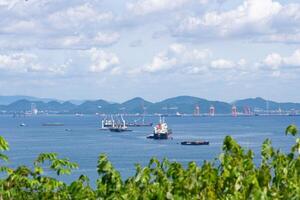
column 76, row 102
column 5, row 100
column 25, row 105
column 136, row 105
column 186, row 104
column 20, row 105
column 91, row 106
column 181, row 104
column 262, row 104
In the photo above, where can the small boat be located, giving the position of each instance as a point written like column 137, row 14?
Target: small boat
column 161, row 131
column 68, row 129
column 23, row 124
column 195, row 143
column 53, row 124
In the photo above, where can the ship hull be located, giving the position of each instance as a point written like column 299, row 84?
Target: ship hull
column 159, row 136
column 118, row 130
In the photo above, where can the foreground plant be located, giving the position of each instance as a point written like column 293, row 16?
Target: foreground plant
column 233, row 176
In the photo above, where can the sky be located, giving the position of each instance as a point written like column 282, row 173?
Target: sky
column 155, row 49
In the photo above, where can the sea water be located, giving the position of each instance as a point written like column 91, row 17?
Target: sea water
column 81, row 140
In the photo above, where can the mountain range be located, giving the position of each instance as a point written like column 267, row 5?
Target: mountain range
column 6, row 100
column 181, row 104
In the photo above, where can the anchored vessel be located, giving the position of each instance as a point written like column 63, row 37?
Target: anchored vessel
column 195, row 143
column 53, row 124
column 107, row 123
column 161, row 131
column 136, row 123
column 119, row 127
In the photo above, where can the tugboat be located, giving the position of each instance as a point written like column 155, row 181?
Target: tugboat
column 161, row 131
column 195, row 143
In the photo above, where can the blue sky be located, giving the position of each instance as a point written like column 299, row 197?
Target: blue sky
column 117, row 49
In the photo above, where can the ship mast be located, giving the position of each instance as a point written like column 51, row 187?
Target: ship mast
column 113, row 121
column 124, row 124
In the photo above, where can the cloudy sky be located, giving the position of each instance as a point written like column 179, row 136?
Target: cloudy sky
column 119, row 49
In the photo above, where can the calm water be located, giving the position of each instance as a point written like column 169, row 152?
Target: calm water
column 85, row 142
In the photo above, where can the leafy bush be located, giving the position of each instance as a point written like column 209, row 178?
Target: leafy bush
column 234, row 177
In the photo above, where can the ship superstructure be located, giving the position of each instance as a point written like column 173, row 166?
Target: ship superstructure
column 161, row 130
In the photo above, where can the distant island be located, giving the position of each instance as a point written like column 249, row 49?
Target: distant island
column 172, row 106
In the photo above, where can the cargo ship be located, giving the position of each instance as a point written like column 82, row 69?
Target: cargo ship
column 119, row 127
column 136, row 123
column 161, row 131
column 107, row 123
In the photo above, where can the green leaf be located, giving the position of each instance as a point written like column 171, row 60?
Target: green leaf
column 3, row 157
column 291, row 129
column 3, row 144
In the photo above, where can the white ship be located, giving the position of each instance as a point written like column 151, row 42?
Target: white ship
column 161, row 131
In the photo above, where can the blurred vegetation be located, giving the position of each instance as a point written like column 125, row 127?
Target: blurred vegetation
column 235, row 176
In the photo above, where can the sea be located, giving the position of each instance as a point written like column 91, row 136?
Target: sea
column 81, row 140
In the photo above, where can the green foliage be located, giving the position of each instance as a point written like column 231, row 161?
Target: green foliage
column 233, row 176
column 60, row 166
column 3, row 147
column 291, row 129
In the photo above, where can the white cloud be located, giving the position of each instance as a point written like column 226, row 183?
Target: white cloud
column 70, row 41
column 8, row 3
column 196, row 70
column 189, row 53
column 21, row 6
column 252, row 14
column 22, row 27
column 39, row 68
column 83, row 41
column 293, row 60
column 106, row 38
column 27, row 62
column 267, row 18
column 78, row 16
column 276, row 62
column 56, row 24
column 177, row 56
column 143, row 7
column 281, row 37
column 16, row 61
column 273, row 60
column 242, row 62
column 181, row 59
column 102, row 61
column 50, row 24
column 160, row 62
column 222, row 64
